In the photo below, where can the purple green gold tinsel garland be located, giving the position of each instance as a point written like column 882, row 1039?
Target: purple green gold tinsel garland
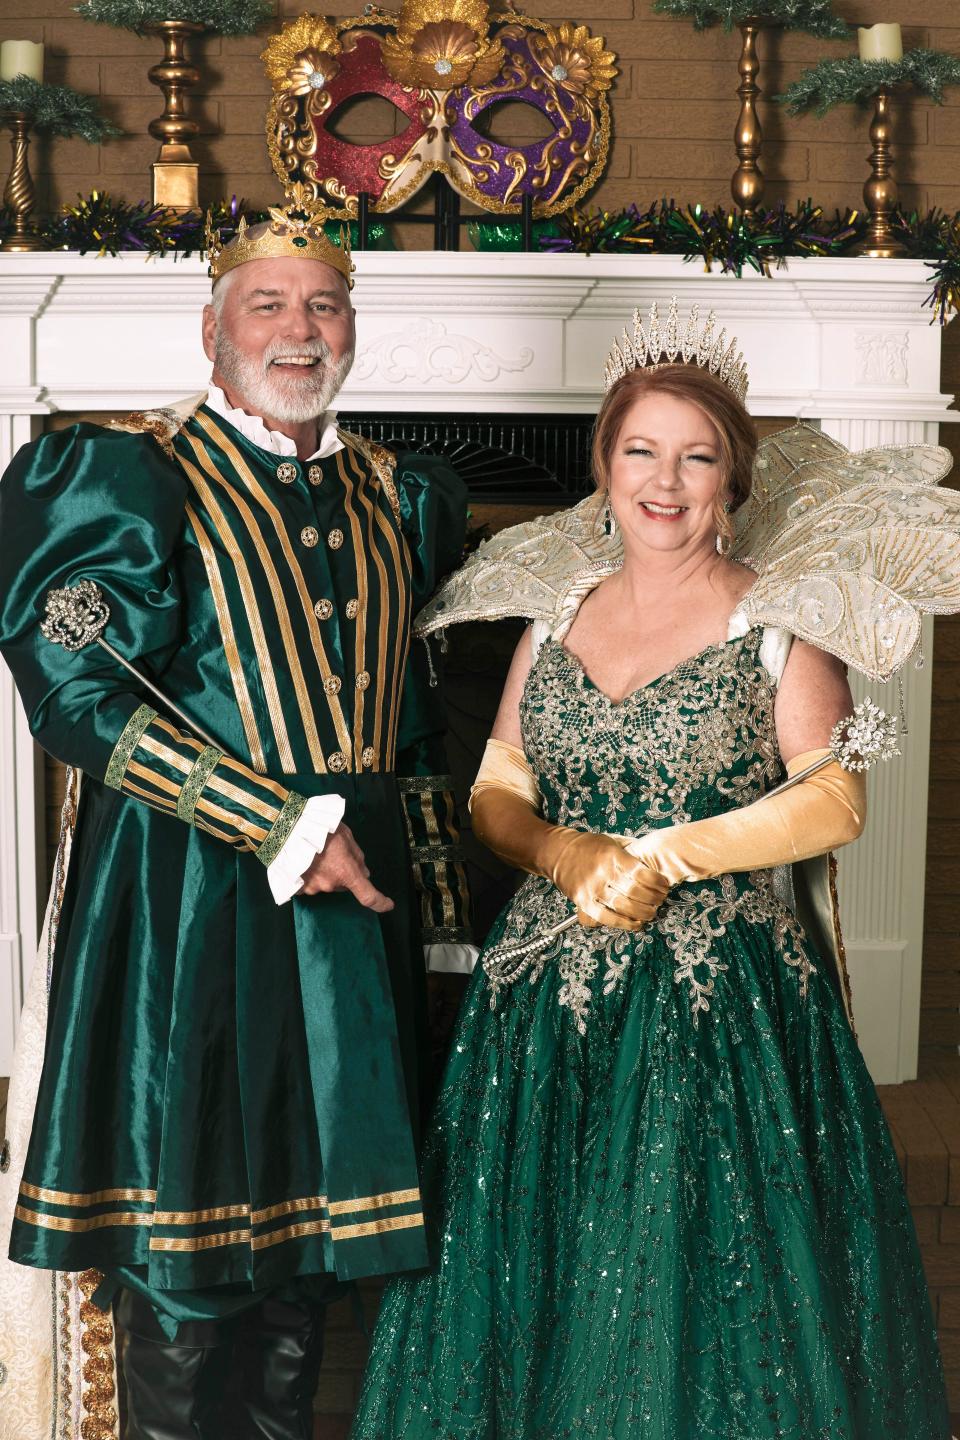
column 98, row 222
column 719, row 236
column 733, row 241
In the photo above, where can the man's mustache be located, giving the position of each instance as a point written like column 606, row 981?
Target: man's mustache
column 317, row 350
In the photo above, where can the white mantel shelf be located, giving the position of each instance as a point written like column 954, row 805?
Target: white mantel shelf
column 845, row 343
column 824, row 338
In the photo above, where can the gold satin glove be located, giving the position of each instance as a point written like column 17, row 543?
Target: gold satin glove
column 818, row 814
column 607, row 886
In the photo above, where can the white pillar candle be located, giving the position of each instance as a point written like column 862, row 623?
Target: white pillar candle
column 880, row 42
column 21, row 57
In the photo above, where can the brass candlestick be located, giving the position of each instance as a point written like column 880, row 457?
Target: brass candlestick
column 175, row 172
column 19, row 194
column 880, row 191
column 748, row 183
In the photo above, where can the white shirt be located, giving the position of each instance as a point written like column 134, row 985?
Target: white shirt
column 252, row 428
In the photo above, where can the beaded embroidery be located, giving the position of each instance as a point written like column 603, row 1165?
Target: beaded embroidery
column 698, row 741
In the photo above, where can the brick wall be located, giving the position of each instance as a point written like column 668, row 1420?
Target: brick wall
column 674, row 108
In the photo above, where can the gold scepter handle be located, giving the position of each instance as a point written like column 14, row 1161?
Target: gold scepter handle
column 858, row 742
column 74, row 618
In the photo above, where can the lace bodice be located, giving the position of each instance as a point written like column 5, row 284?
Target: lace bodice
column 698, row 740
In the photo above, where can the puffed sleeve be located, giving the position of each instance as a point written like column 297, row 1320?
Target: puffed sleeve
column 433, row 505
column 93, row 504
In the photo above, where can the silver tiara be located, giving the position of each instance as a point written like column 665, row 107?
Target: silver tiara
column 664, row 344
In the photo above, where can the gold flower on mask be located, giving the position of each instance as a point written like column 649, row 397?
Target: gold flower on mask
column 301, row 58
column 441, row 44
column 312, row 70
column 574, row 60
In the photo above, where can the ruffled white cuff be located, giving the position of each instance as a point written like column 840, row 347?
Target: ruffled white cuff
column 450, row 957
column 321, row 816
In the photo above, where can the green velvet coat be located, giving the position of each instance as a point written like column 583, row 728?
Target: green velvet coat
column 229, row 1096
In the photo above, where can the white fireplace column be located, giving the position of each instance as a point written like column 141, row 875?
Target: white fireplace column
column 22, row 300
column 846, row 344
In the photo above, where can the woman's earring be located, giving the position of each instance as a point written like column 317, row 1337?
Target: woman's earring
column 609, row 520
column 725, row 532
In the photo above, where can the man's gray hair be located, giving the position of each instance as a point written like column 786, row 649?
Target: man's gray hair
column 219, row 292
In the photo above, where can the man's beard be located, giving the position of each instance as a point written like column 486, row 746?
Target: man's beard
column 266, row 391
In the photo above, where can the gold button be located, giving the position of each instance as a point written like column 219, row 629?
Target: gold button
column 287, row 472
column 315, row 475
column 368, row 757
column 363, row 680
column 332, row 684
column 323, row 609
column 335, row 539
column 309, row 536
column 337, row 761
column 353, row 607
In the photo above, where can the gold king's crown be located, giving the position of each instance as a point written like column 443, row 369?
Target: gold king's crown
column 295, row 232
column 664, row 344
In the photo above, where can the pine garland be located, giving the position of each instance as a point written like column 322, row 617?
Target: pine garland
column 55, row 109
column 223, row 17
column 816, row 17
column 851, row 80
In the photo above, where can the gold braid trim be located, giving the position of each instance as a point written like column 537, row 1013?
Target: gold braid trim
column 293, row 808
column 424, row 784
column 130, row 737
column 196, row 781
column 99, row 1370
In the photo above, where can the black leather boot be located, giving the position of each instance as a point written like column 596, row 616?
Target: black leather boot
column 277, row 1356
column 174, row 1391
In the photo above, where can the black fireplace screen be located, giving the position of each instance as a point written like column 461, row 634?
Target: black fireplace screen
column 503, row 459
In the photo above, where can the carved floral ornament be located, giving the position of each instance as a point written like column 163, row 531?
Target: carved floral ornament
column 442, row 64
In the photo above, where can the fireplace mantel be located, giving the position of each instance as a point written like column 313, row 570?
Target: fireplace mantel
column 843, row 340
column 845, row 343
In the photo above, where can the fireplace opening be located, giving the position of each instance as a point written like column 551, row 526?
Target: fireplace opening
column 538, row 460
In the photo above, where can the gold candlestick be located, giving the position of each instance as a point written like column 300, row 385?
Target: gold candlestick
column 175, row 172
column 19, row 194
column 747, row 184
column 880, row 191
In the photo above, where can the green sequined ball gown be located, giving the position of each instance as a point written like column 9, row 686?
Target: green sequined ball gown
column 665, row 1202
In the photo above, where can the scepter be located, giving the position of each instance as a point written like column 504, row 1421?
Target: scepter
column 75, row 618
column 857, row 742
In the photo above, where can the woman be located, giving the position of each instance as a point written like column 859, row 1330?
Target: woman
column 666, row 1205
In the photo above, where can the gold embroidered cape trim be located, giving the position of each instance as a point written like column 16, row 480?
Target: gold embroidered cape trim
column 382, row 461
column 130, row 738
column 163, row 424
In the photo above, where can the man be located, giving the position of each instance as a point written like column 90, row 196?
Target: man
column 226, row 1115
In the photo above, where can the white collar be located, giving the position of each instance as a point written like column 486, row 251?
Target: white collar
column 252, row 428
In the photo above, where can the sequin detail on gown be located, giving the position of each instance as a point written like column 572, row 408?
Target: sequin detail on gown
column 664, row 1202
